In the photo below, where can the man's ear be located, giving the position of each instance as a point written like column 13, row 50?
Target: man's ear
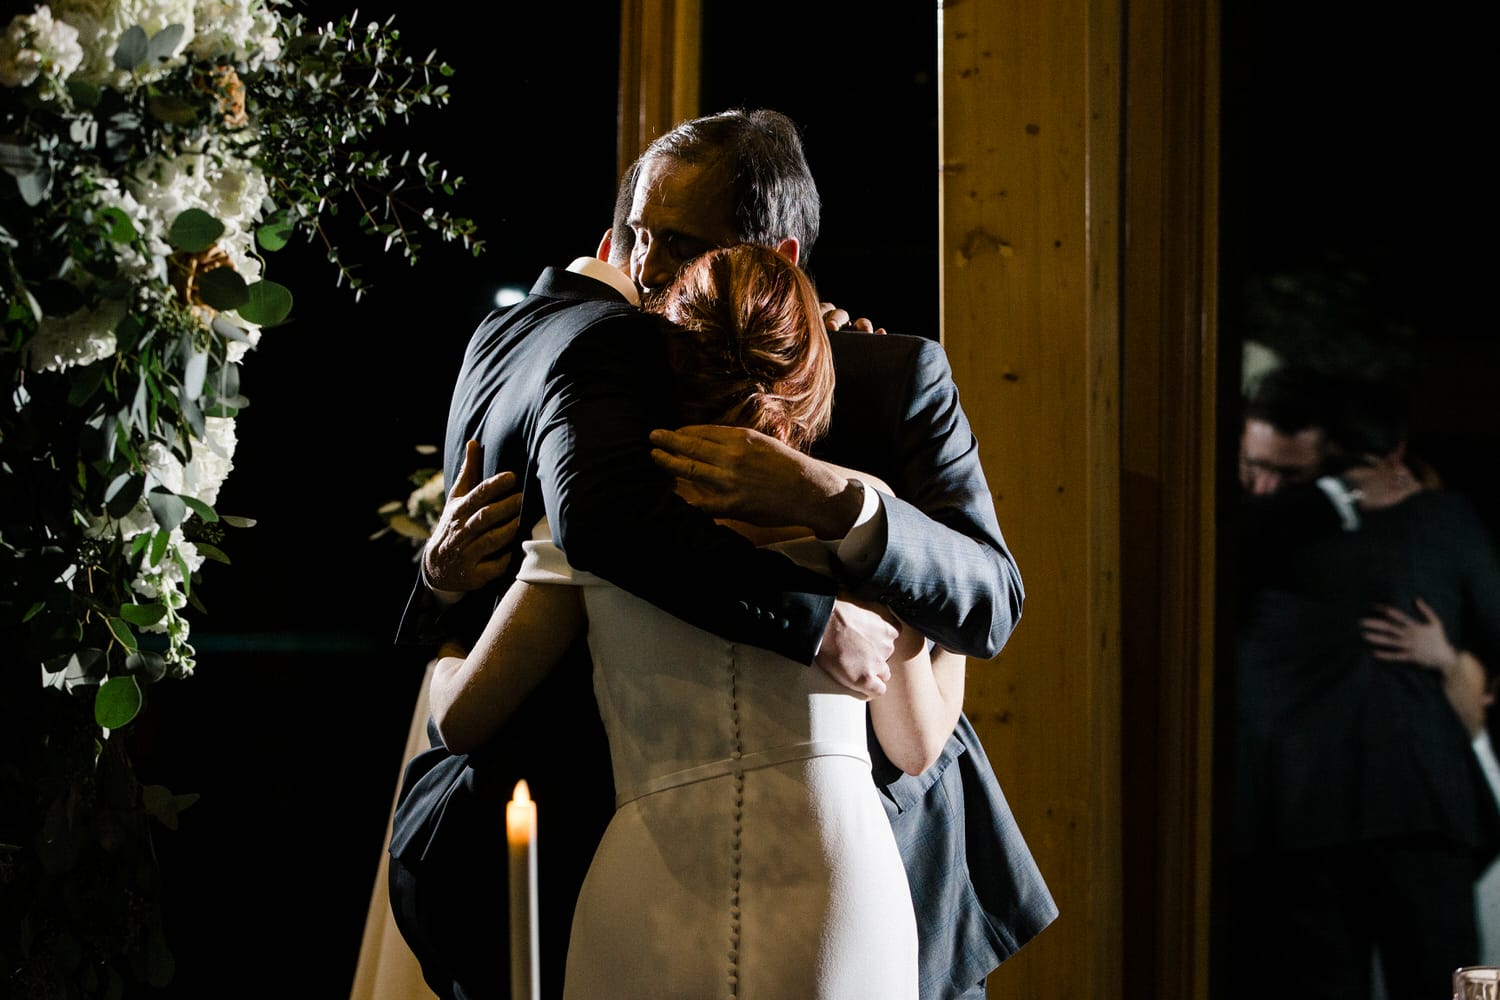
column 605, row 244
column 789, row 248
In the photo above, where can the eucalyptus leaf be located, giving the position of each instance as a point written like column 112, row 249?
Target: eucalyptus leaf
column 193, row 414
column 204, row 511
column 121, row 494
column 163, row 806
column 143, row 614
column 18, row 160
column 159, row 540
column 117, row 227
column 223, row 289
column 193, row 373
column 35, row 186
column 131, row 51
column 194, row 230
column 121, row 631
column 213, row 552
column 235, row 521
column 229, row 331
column 274, row 235
column 164, row 43
column 118, row 701
column 148, row 664
column 168, row 510
column 269, row 303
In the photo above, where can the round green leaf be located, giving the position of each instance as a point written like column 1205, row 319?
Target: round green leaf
column 117, row 702
column 194, row 230
column 269, row 303
column 223, row 289
column 143, row 614
column 116, row 225
column 274, row 234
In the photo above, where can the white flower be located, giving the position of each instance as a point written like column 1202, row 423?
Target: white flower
column 101, row 23
column 80, row 338
column 243, row 30
column 426, row 500
column 200, row 477
column 164, row 581
column 210, row 178
column 211, row 460
column 135, row 262
column 34, row 45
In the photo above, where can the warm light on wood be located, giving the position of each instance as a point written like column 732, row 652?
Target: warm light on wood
column 520, row 833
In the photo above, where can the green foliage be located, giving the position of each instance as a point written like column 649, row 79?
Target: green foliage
column 144, row 194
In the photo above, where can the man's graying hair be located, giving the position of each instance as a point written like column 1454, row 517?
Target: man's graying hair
column 769, row 180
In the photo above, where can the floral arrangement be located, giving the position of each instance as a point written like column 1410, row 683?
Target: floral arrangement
column 154, row 157
column 416, row 516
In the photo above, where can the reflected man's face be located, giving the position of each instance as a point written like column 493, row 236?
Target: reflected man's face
column 1271, row 459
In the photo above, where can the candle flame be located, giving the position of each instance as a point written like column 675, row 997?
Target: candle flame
column 523, row 792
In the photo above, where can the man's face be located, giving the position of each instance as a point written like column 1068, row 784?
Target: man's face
column 680, row 210
column 1270, row 459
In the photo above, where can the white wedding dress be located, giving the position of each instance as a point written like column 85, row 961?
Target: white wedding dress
column 749, row 857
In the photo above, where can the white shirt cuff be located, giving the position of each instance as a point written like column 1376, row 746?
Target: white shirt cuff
column 857, row 550
column 1343, row 499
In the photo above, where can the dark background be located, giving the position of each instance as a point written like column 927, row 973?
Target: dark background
column 292, row 728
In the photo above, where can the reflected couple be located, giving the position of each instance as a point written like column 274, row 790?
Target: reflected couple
column 1368, row 615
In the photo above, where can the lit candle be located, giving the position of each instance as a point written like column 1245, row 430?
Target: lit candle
column 520, row 833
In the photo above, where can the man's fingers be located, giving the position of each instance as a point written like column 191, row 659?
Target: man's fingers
column 468, row 470
column 706, row 441
column 676, row 465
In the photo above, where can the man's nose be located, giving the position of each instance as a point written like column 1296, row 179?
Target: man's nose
column 1264, row 483
column 655, row 267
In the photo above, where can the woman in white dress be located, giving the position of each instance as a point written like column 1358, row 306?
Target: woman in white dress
column 749, row 856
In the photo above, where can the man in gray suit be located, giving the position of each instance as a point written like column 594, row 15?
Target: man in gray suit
column 931, row 550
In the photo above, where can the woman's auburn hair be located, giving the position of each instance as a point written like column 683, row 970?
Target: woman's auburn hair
column 748, row 346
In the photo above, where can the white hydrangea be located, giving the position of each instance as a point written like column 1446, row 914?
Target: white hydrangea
column 165, row 580
column 210, row 178
column 34, row 47
column 134, row 262
column 205, row 470
column 200, row 478
column 243, row 30
column 101, row 23
column 80, row 338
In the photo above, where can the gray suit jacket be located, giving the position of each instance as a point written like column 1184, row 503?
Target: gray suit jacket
column 978, row 893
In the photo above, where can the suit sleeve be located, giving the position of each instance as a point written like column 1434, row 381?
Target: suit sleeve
column 945, row 568
column 614, row 514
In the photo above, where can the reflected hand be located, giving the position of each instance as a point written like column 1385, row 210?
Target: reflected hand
column 470, row 544
column 1395, row 635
